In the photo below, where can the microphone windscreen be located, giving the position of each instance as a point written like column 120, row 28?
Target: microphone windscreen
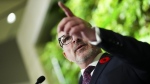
column 40, row 79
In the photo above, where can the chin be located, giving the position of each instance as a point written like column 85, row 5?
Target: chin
column 82, row 58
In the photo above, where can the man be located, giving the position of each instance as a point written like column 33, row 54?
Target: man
column 127, row 61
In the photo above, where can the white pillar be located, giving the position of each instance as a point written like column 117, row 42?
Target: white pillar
column 28, row 32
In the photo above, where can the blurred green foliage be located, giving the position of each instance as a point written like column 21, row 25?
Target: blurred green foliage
column 127, row 17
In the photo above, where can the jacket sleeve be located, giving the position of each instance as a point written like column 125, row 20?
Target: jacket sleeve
column 126, row 48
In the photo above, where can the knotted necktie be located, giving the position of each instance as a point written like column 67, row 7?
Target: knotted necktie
column 87, row 74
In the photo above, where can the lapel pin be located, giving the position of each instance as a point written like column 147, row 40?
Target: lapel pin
column 104, row 59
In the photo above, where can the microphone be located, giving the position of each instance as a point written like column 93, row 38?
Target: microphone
column 40, row 80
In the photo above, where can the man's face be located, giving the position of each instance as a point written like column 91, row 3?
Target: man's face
column 78, row 50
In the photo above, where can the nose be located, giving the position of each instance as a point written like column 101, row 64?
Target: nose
column 75, row 39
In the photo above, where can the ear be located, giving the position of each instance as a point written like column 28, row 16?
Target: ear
column 64, row 55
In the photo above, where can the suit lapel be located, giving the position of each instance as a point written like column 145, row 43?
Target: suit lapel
column 99, row 68
column 81, row 79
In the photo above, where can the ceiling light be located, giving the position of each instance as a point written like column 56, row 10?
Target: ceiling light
column 11, row 18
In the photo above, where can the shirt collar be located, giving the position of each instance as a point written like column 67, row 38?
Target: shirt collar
column 94, row 63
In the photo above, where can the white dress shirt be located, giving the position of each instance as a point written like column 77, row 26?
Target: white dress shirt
column 98, row 39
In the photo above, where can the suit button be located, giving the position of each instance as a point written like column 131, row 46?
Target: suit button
column 117, row 43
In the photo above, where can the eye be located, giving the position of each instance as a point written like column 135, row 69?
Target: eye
column 66, row 39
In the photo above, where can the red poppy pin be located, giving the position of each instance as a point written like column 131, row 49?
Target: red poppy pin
column 104, row 59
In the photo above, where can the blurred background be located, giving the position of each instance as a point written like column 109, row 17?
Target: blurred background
column 28, row 43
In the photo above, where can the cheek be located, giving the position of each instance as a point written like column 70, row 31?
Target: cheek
column 67, row 51
column 69, row 54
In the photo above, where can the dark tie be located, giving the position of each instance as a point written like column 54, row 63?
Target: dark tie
column 87, row 74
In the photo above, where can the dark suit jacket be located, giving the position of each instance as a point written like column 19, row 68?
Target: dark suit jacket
column 129, row 61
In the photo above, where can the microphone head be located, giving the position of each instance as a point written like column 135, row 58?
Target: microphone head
column 40, row 79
